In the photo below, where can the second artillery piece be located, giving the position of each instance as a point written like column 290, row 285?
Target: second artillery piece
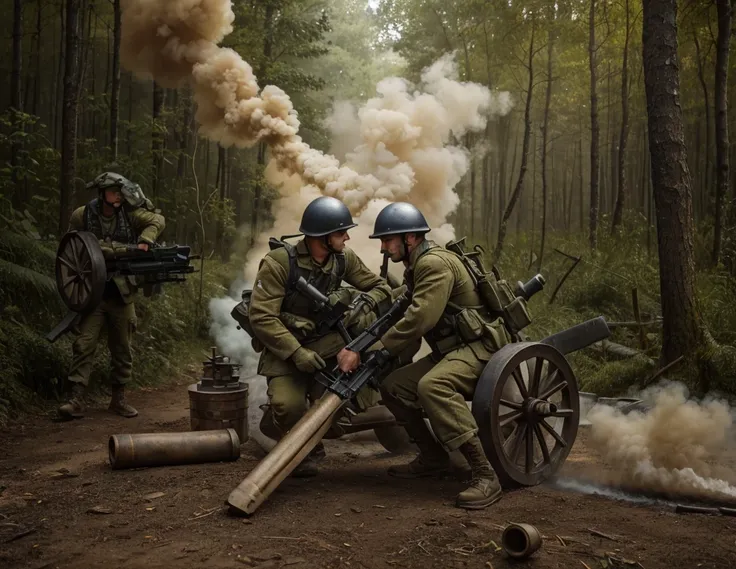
column 83, row 267
column 526, row 402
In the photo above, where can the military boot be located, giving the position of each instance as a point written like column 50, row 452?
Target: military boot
column 432, row 459
column 485, row 488
column 73, row 409
column 119, row 405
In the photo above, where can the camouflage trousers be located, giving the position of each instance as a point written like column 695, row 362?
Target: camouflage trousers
column 120, row 320
column 441, row 386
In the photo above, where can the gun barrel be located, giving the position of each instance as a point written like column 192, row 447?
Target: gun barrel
column 311, row 292
column 579, row 336
column 285, row 456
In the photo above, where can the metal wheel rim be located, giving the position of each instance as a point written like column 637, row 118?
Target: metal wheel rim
column 512, row 423
column 80, row 271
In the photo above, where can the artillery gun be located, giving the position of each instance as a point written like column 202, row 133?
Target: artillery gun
column 83, row 268
column 526, row 402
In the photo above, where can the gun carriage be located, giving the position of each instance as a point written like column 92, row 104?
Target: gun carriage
column 83, row 268
column 526, row 403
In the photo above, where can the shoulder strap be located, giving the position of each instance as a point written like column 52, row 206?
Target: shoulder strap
column 292, row 274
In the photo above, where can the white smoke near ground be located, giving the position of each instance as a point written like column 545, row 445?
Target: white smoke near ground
column 677, row 448
column 235, row 343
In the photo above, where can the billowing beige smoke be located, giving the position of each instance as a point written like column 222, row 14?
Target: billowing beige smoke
column 403, row 151
column 675, row 448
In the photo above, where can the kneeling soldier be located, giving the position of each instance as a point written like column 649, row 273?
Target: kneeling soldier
column 449, row 314
column 283, row 320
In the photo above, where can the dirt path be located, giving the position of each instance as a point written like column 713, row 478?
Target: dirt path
column 352, row 515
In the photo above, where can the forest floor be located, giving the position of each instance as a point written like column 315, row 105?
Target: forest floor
column 52, row 476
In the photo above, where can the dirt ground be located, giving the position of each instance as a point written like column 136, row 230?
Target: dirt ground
column 352, row 515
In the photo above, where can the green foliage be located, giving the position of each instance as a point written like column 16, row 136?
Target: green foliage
column 171, row 327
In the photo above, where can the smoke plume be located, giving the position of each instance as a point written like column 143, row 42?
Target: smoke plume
column 677, row 448
column 399, row 146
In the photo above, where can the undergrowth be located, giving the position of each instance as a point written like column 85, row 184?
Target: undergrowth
column 171, row 331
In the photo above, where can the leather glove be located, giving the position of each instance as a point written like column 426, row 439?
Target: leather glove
column 307, row 361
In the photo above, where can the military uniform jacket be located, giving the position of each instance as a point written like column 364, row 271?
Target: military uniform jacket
column 127, row 226
column 270, row 299
column 446, row 309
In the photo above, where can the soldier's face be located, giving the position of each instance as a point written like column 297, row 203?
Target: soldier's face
column 337, row 240
column 394, row 246
column 114, row 197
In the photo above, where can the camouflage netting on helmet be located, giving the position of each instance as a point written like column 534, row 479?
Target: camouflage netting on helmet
column 132, row 192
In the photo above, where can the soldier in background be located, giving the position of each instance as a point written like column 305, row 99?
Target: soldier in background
column 449, row 314
column 119, row 215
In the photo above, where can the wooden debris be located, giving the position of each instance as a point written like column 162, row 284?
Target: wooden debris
column 99, row 510
column 601, row 534
column 154, row 495
column 20, row 534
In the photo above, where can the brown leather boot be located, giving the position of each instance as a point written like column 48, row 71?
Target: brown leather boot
column 485, row 488
column 119, row 405
column 73, row 409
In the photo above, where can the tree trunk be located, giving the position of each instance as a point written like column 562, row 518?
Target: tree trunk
column 721, row 100
column 683, row 333
column 16, row 102
column 157, row 140
column 69, row 115
column 524, row 153
column 268, row 39
column 705, row 189
column 220, row 185
column 59, row 95
column 594, row 134
column 115, row 91
column 624, row 134
column 37, row 62
column 545, row 132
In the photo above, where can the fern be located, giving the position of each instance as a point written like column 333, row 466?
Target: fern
column 17, row 277
column 26, row 251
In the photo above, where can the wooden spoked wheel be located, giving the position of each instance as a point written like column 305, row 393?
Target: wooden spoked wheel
column 527, row 408
column 80, row 271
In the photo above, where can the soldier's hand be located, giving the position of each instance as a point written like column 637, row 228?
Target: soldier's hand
column 307, row 361
column 143, row 246
column 348, row 360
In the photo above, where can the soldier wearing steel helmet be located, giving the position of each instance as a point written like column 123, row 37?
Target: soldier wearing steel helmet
column 282, row 319
column 119, row 215
column 449, row 314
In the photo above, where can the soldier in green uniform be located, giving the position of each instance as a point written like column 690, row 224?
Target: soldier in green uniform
column 120, row 214
column 283, row 319
column 449, row 314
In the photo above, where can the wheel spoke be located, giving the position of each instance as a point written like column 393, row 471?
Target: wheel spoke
column 520, row 383
column 510, row 404
column 534, row 384
column 519, row 443
column 542, row 444
column 86, row 286
column 67, row 264
column 75, row 251
column 529, row 459
column 507, row 418
column 554, row 433
column 554, row 389
column 67, row 281
column 511, row 438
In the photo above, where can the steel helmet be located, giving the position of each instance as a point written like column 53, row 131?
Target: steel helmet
column 397, row 218
column 325, row 215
